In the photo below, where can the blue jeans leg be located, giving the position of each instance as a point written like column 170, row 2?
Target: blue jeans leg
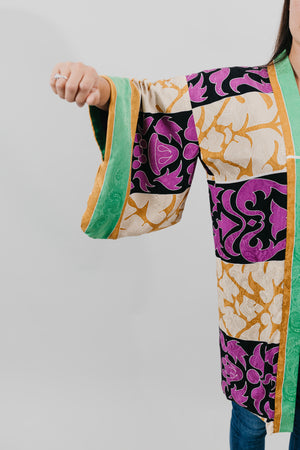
column 247, row 431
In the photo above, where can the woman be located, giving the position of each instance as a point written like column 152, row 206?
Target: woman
column 243, row 125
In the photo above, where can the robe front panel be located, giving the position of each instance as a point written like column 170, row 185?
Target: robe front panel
column 243, row 139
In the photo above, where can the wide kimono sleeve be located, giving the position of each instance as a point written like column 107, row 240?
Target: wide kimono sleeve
column 148, row 153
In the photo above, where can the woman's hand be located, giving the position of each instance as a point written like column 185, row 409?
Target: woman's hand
column 83, row 85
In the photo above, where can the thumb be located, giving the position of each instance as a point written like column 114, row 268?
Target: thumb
column 94, row 97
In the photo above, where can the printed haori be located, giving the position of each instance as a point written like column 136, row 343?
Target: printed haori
column 242, row 124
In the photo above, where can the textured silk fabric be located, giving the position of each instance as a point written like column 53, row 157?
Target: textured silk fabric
column 242, row 125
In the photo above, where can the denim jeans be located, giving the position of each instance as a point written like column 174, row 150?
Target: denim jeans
column 247, row 431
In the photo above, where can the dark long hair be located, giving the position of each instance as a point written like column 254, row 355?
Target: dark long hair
column 284, row 37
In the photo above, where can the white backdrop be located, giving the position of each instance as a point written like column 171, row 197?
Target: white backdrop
column 100, row 341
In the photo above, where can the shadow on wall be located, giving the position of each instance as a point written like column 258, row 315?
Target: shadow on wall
column 46, row 142
column 36, row 145
column 49, row 160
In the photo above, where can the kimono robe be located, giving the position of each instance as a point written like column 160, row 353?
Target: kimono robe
column 243, row 124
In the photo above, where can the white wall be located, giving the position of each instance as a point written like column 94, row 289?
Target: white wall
column 102, row 344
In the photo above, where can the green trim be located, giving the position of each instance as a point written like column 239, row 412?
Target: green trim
column 113, row 192
column 290, row 92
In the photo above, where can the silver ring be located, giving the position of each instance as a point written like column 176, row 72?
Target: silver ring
column 59, row 75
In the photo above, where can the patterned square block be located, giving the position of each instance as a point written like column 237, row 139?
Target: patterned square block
column 241, row 137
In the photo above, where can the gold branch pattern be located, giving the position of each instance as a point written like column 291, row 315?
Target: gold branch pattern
column 145, row 213
column 250, row 299
column 241, row 136
column 164, row 96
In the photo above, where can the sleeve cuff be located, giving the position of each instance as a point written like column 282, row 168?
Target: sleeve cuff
column 115, row 140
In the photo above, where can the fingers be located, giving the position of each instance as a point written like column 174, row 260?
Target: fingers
column 82, row 83
column 94, row 97
column 85, row 85
column 67, row 89
column 58, row 85
column 71, row 86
